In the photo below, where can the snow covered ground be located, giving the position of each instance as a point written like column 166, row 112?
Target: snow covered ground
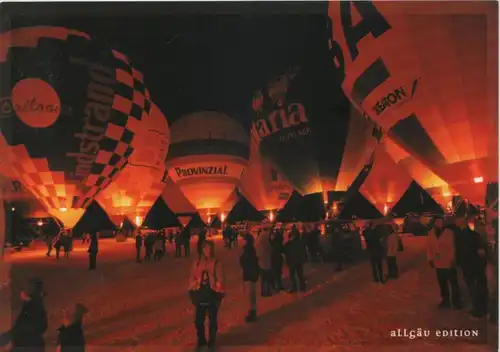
column 145, row 307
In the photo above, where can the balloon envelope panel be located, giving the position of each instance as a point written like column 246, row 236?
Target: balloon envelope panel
column 261, row 185
column 386, row 183
column 142, row 180
column 71, row 110
column 427, row 73
column 437, row 188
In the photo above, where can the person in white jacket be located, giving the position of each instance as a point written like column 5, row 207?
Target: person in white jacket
column 441, row 255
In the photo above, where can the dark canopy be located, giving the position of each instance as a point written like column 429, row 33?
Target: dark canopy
column 160, row 216
column 128, row 225
column 94, row 219
column 216, row 223
column 244, row 211
column 287, row 214
column 359, row 207
column 416, row 200
column 306, row 208
column 196, row 222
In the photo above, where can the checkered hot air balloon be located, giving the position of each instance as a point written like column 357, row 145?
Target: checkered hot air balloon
column 427, row 72
column 143, row 179
column 70, row 109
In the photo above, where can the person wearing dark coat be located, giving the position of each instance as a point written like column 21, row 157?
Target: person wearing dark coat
column 70, row 334
column 93, row 250
column 149, row 242
column 295, row 255
column 374, row 244
column 202, row 237
column 471, row 258
column 249, row 263
column 277, row 259
column 186, row 241
column 226, row 236
column 163, row 239
column 338, row 248
column 178, row 243
column 31, row 323
column 57, row 243
column 138, row 245
column 48, row 241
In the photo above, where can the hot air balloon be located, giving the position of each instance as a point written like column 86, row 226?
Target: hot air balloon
column 140, row 183
column 70, row 110
column 208, row 153
column 315, row 139
column 386, row 183
column 427, row 73
column 261, row 185
column 437, row 188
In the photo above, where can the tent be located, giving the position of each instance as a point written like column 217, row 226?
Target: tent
column 216, row 223
column 94, row 219
column 128, row 225
column 287, row 214
column 160, row 216
column 416, row 200
column 359, row 207
column 196, row 222
column 244, row 211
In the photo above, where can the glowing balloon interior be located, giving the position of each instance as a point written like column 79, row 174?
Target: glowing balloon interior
column 261, row 185
column 142, row 180
column 386, row 183
column 73, row 109
column 427, row 73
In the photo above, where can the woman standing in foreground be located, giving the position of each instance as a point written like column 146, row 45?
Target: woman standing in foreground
column 206, row 290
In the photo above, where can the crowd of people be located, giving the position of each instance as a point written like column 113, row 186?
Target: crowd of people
column 452, row 248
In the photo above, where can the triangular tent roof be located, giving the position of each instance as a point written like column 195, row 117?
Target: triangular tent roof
column 359, row 207
column 416, row 200
column 196, row 222
column 216, row 223
column 160, row 216
column 128, row 225
column 244, row 211
column 311, row 208
column 94, row 219
column 287, row 214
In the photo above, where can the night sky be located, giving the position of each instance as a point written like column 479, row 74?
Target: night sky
column 195, row 56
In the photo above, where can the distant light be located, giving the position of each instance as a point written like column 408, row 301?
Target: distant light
column 478, row 179
column 121, row 224
column 138, row 220
column 13, row 209
column 222, row 217
column 386, row 209
column 209, row 218
column 40, row 223
column 271, row 215
column 325, row 201
column 446, row 194
column 63, row 209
